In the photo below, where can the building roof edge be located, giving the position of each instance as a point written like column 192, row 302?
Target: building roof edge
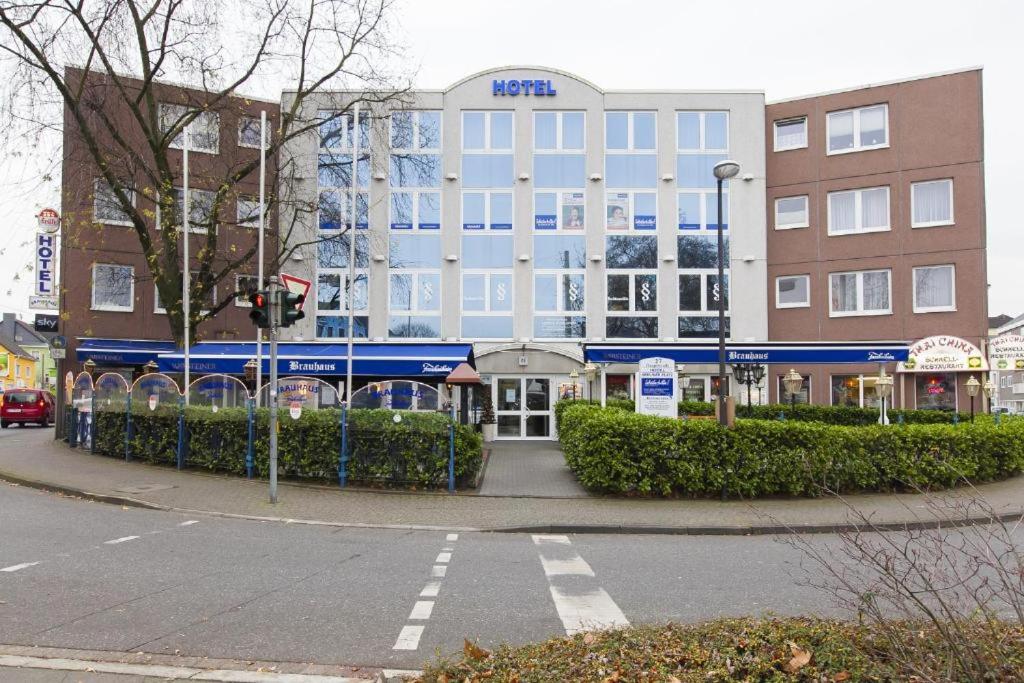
column 865, row 86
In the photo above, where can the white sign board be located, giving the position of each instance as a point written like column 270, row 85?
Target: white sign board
column 1006, row 352
column 943, row 353
column 43, row 303
column 656, row 387
column 46, row 264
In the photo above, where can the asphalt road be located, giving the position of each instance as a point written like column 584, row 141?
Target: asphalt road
column 84, row 575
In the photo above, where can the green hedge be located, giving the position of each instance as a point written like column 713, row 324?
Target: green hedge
column 413, row 451
column 838, row 415
column 612, row 450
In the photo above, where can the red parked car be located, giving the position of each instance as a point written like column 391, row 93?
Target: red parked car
column 26, row 405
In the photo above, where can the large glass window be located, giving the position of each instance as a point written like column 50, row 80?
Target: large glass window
column 860, row 293
column 793, row 291
column 630, row 130
column 487, row 210
column 415, row 172
column 791, row 134
column 855, row 391
column 416, row 131
column 631, row 251
column 631, row 171
column 414, row 304
column 934, row 289
column 935, row 391
column 113, row 287
column 700, row 252
column 702, row 130
column 698, row 210
column 200, row 209
column 559, row 286
column 631, row 211
column 558, row 130
column 486, row 305
column 932, row 203
column 857, row 211
column 552, row 252
column 854, row 130
column 486, row 251
column 559, row 210
column 106, row 208
column 204, row 129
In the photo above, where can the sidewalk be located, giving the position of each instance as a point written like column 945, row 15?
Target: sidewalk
column 32, row 457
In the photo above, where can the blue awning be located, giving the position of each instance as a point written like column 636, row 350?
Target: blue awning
column 790, row 353
column 325, row 358
column 121, row 351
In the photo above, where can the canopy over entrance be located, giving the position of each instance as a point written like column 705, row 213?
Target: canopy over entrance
column 121, row 351
column 789, row 353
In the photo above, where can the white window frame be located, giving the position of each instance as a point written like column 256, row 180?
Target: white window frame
column 192, row 229
column 417, row 148
column 703, row 149
column 415, row 192
column 860, row 312
column 342, row 273
column 632, row 273
column 857, row 147
column 416, row 273
column 343, row 121
column 487, row 312
column 952, row 289
column 913, row 203
column 487, row 148
column 807, row 212
column 97, row 182
column 708, row 309
column 630, row 141
column 254, row 221
column 560, row 147
column 862, row 390
column 792, row 119
column 239, row 301
column 778, row 291
column 705, row 219
column 180, row 110
column 631, row 222
column 559, row 219
column 487, row 211
column 241, row 126
column 558, row 311
column 858, row 215
column 107, row 307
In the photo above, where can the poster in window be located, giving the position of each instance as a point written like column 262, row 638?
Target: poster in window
column 572, row 211
column 618, row 211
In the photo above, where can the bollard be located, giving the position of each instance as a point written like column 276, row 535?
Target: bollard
column 251, row 445
column 343, row 454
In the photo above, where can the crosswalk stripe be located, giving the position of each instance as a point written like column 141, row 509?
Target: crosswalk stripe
column 421, row 610
column 589, row 611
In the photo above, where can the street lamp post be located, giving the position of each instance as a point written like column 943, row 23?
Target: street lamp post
column 723, row 170
column 681, row 380
column 883, row 387
column 749, row 374
column 590, row 370
column 990, row 391
column 792, row 381
column 149, row 368
column 573, row 376
column 972, row 385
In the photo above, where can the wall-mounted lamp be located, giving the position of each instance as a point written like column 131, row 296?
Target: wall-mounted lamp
column 379, row 176
column 748, row 177
column 379, row 258
column 668, row 177
column 595, row 177
column 452, row 176
column 297, row 256
column 524, row 176
column 524, row 257
column 749, row 258
column 451, row 258
column 596, row 258
column 668, row 258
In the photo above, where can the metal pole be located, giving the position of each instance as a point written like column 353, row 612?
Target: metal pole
column 251, row 437
column 186, row 278
column 350, row 299
column 343, row 456
column 259, row 265
column 275, row 316
column 722, row 388
column 451, row 446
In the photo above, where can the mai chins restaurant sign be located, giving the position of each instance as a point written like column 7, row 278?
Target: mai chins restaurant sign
column 1006, row 352
column 943, row 354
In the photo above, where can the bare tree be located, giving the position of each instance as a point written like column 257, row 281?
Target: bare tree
column 100, row 71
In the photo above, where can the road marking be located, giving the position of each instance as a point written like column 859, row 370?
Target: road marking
column 16, row 567
column 438, row 571
column 448, row 549
column 120, row 540
column 581, row 605
column 422, row 609
column 409, row 638
column 189, row 522
column 443, row 558
column 431, row 590
column 451, row 537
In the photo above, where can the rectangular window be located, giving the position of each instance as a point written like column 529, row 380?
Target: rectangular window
column 630, row 130
column 244, row 286
column 559, row 286
column 698, row 210
column 793, row 291
column 700, row 327
column 631, row 251
column 106, row 208
column 333, row 251
column 697, row 170
column 487, row 210
column 699, row 292
column 113, row 287
column 247, row 212
column 700, row 252
column 416, row 131
column 702, row 130
column 487, row 251
column 935, row 391
column 791, row 212
column 867, row 292
column 554, row 210
column 555, row 131
column 856, row 130
column 414, row 305
column 331, row 297
column 631, row 211
column 487, row 131
column 858, row 211
column 204, row 129
column 854, row 391
column 556, row 252
column 791, row 134
column 335, row 210
column 249, row 132
column 931, row 203
column 337, row 131
column 412, row 251
column 487, row 305
column 934, row 289
column 559, row 170
column 201, row 217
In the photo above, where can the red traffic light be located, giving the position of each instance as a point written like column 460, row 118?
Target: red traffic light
column 257, row 300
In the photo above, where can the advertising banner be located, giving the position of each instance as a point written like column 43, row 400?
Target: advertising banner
column 943, row 353
column 1006, row 352
column 657, row 387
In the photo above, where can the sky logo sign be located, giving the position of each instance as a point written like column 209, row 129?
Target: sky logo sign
column 527, row 87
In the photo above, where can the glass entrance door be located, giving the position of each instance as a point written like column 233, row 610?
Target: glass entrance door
column 523, row 407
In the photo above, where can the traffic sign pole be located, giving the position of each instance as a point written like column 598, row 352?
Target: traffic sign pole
column 275, row 318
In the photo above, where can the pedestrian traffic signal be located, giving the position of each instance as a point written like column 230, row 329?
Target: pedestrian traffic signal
column 260, row 313
column 290, row 311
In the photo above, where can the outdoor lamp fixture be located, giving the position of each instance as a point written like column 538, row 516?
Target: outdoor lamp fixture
column 792, row 381
column 972, row 385
column 574, row 375
column 883, row 387
column 89, row 366
column 149, row 368
column 723, row 170
column 681, row 379
column 751, row 375
column 990, row 391
column 250, row 370
column 590, row 370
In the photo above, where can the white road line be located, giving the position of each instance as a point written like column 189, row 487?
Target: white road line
column 588, row 611
column 421, row 610
column 189, row 522
column 16, row 567
column 451, row 537
column 409, row 638
column 431, row 590
column 438, row 571
column 448, row 549
column 573, row 566
column 540, row 539
column 443, row 558
column 120, row 540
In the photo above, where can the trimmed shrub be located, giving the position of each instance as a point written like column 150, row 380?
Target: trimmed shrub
column 413, row 451
column 615, row 451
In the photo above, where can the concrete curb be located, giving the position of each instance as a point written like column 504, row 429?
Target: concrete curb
column 540, row 528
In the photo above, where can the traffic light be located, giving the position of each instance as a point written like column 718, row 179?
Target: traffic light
column 260, row 313
column 290, row 313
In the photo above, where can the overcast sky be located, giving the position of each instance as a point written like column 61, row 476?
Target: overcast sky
column 787, row 49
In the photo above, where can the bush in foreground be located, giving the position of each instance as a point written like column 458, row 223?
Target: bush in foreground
column 615, row 451
column 793, row 649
